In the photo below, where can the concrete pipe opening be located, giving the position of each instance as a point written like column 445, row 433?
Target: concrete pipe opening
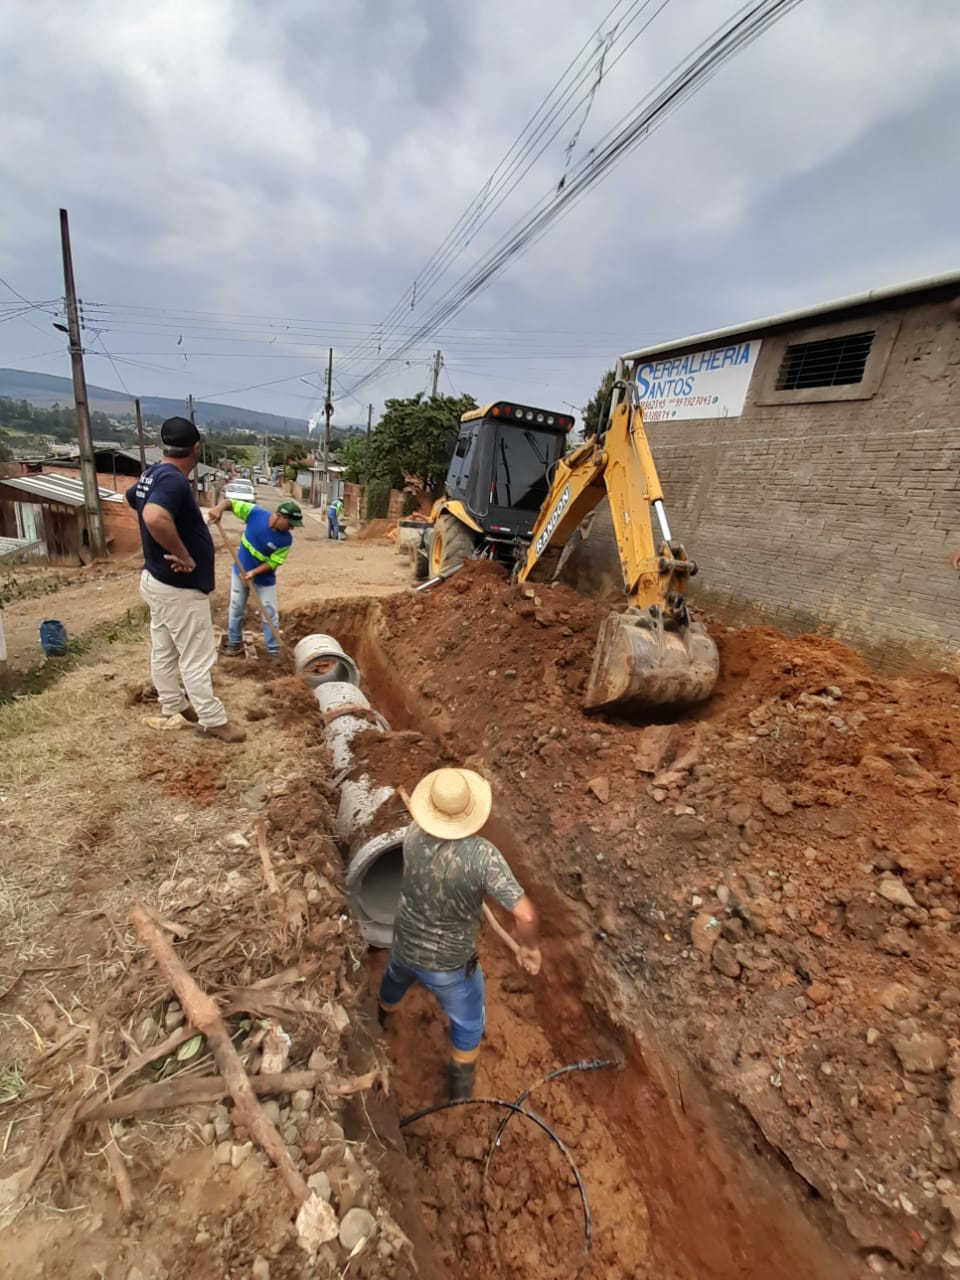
column 320, row 659
column 373, row 884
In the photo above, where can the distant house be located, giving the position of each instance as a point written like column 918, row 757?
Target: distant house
column 319, row 485
column 116, row 466
column 45, row 515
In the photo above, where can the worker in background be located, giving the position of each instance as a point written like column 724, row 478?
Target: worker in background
column 176, row 583
column 334, row 512
column 264, row 545
column 447, row 870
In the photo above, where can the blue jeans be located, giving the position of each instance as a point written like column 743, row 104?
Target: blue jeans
column 460, row 997
column 239, row 593
column 333, row 527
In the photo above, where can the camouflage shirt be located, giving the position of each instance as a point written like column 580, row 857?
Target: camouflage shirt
column 444, row 884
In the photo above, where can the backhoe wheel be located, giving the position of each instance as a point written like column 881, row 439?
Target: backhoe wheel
column 452, row 543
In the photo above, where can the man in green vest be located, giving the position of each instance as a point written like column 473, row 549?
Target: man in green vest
column 264, row 545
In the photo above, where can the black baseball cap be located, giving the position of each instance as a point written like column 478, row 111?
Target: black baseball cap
column 179, row 433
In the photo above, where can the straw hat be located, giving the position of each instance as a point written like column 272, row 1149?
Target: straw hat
column 451, row 803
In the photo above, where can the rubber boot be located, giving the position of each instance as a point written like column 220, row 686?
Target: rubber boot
column 384, row 1017
column 461, row 1077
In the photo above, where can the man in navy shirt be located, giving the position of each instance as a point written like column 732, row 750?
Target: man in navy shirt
column 176, row 583
column 264, row 544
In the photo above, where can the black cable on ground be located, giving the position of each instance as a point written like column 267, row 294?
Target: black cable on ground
column 585, row 1064
column 514, row 1109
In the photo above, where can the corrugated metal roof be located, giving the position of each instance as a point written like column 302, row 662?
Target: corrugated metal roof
column 11, row 546
column 698, row 340
column 153, row 453
column 57, row 488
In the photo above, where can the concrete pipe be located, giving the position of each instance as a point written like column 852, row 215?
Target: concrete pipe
column 321, row 660
column 369, row 810
column 360, row 801
column 346, row 712
column 374, row 874
column 410, row 534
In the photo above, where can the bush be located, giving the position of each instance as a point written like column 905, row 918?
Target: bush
column 377, row 501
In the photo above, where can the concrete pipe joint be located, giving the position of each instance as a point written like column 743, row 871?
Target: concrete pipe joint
column 320, row 659
column 346, row 712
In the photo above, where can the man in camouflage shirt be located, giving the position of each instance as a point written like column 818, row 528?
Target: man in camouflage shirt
column 447, row 871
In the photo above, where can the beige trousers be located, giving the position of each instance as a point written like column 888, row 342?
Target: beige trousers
column 182, row 648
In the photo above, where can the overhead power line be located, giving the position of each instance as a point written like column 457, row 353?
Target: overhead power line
column 538, row 133
column 689, row 75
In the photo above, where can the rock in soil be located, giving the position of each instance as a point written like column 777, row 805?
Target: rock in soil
column 357, row 1225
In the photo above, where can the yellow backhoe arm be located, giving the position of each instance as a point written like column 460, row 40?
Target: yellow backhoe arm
column 653, row 654
column 620, row 464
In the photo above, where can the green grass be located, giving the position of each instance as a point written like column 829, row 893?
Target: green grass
column 15, row 685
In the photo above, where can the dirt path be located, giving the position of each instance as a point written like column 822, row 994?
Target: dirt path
column 84, row 599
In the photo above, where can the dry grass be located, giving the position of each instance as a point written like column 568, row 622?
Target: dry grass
column 96, row 811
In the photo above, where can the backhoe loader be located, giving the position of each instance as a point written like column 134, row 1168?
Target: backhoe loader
column 650, row 655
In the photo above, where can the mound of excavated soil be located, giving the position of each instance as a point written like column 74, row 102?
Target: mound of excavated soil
column 774, row 877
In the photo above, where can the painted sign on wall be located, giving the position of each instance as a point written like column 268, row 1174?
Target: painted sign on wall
column 704, row 384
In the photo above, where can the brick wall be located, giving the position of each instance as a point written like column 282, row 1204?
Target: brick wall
column 838, row 515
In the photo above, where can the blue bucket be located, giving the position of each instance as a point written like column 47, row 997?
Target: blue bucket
column 53, row 638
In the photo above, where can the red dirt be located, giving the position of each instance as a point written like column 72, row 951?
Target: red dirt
column 782, row 902
column 375, row 529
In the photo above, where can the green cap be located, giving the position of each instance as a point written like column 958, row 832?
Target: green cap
column 291, row 512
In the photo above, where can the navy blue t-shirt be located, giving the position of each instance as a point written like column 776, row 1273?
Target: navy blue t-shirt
column 169, row 488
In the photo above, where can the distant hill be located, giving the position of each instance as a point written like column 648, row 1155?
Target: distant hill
column 45, row 390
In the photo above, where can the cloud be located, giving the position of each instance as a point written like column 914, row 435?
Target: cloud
column 300, row 159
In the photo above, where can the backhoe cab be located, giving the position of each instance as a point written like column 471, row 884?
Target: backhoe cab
column 496, row 483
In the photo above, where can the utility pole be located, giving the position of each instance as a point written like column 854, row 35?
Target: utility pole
column 366, row 463
column 327, row 414
column 192, row 417
column 88, row 466
column 437, row 366
column 143, row 451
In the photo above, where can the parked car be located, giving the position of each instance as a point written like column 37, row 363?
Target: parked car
column 240, row 491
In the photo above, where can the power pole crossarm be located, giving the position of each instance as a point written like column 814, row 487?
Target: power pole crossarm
column 88, row 465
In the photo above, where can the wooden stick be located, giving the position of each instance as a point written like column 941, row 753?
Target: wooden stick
column 184, row 1090
column 118, row 1167
column 136, row 1065
column 268, row 872
column 203, row 1014
column 256, row 599
column 500, row 931
column 491, row 918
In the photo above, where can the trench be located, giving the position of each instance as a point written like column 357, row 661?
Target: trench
column 680, row 1182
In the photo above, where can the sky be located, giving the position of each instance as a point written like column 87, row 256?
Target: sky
column 252, row 181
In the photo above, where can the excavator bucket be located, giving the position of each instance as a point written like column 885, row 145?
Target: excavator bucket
column 639, row 663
